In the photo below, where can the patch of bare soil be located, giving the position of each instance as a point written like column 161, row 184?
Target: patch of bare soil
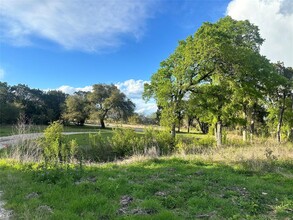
column 4, row 214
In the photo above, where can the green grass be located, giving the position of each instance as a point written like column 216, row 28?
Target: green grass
column 83, row 139
column 6, row 130
column 165, row 188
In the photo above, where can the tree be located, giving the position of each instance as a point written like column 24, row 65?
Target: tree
column 177, row 75
column 216, row 53
column 8, row 111
column 282, row 100
column 107, row 99
column 30, row 103
column 55, row 104
column 231, row 48
column 77, row 108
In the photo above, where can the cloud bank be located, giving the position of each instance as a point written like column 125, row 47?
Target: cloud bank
column 70, row 90
column 133, row 89
column 80, row 25
column 275, row 20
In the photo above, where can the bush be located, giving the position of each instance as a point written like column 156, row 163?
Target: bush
column 125, row 142
column 162, row 141
column 56, row 149
column 206, row 142
column 191, row 145
column 185, row 145
column 149, row 140
column 99, row 149
column 165, row 142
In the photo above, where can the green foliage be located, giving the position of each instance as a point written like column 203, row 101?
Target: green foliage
column 192, row 145
column 159, row 140
column 280, row 118
column 57, row 175
column 165, row 142
column 38, row 107
column 125, row 142
column 55, row 148
column 77, row 108
column 98, row 149
column 206, row 142
column 108, row 100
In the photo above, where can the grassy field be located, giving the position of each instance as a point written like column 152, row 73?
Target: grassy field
column 237, row 181
column 230, row 183
column 83, row 139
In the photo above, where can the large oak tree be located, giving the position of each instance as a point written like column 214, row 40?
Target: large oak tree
column 106, row 99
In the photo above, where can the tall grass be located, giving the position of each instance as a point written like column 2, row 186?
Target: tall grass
column 23, row 149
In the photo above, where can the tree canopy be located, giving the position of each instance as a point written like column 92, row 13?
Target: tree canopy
column 108, row 99
column 220, row 71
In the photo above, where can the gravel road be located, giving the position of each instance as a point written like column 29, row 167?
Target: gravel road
column 14, row 139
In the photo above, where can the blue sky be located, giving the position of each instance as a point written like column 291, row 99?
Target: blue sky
column 69, row 45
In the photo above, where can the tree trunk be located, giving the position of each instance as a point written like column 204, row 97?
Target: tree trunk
column 215, row 131
column 290, row 135
column 244, row 132
column 204, row 127
column 219, row 133
column 282, row 109
column 102, row 123
column 189, row 123
column 280, row 124
column 173, row 132
column 251, row 130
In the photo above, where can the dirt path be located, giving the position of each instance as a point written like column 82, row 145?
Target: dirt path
column 14, row 139
column 4, row 214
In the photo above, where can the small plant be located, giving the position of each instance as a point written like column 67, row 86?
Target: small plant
column 269, row 155
column 56, row 148
column 23, row 150
column 61, row 174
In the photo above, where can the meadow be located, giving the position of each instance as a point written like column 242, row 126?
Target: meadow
column 236, row 181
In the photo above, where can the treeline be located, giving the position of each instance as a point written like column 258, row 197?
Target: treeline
column 37, row 106
column 218, row 78
column 41, row 107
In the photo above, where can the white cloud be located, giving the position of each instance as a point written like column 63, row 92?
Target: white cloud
column 89, row 25
column 2, row 73
column 70, row 90
column 133, row 89
column 275, row 20
column 145, row 108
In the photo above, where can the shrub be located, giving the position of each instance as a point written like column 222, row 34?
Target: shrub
column 125, row 142
column 208, row 141
column 162, row 141
column 149, row 140
column 185, row 145
column 99, row 149
column 165, row 142
column 56, row 149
